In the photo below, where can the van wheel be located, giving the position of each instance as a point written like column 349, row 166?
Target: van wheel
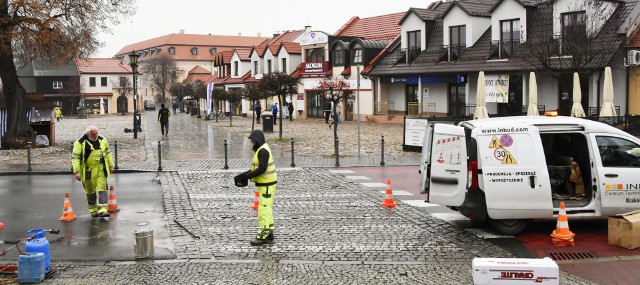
column 509, row 227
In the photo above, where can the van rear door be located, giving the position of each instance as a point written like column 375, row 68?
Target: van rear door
column 514, row 172
column 448, row 166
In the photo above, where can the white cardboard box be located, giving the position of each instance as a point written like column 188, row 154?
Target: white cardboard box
column 515, row 271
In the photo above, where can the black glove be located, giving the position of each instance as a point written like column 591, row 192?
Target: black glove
column 241, row 180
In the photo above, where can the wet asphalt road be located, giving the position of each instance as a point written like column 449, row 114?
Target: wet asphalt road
column 28, row 202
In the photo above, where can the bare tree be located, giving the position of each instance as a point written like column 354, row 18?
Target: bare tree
column 123, row 88
column 217, row 94
column 278, row 84
column 74, row 88
column 55, row 30
column 583, row 44
column 336, row 91
column 199, row 92
column 253, row 95
column 234, row 97
column 161, row 72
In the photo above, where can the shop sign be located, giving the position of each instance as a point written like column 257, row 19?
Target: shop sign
column 314, row 69
column 314, row 38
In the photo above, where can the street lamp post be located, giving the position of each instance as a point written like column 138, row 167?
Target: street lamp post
column 358, row 105
column 133, row 61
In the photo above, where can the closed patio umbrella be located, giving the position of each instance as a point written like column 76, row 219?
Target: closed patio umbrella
column 533, row 96
column 607, row 108
column 481, row 99
column 576, row 109
column 101, row 106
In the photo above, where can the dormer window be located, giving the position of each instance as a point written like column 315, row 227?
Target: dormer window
column 509, row 39
column 338, row 56
column 255, row 67
column 194, row 51
column 414, row 45
column 315, row 55
column 235, row 68
column 172, row 50
column 457, row 43
column 357, row 54
column 213, row 51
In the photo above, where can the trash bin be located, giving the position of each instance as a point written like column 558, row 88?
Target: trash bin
column 194, row 111
column 267, row 122
column 144, row 243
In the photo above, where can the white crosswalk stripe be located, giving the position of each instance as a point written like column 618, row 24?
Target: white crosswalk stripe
column 373, row 185
column 418, row 203
column 398, row 193
column 355, row 177
column 341, row 171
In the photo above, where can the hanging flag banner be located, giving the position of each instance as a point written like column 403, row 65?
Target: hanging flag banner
column 209, row 94
column 497, row 88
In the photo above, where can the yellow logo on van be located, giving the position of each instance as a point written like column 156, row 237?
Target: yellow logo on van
column 509, row 159
column 613, row 186
column 495, row 142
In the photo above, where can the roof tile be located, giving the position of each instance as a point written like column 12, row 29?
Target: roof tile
column 383, row 27
column 101, row 66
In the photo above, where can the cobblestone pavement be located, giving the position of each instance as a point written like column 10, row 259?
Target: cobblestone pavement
column 196, row 144
column 329, row 230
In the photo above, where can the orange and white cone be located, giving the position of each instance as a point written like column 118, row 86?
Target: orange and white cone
column 67, row 212
column 388, row 199
column 562, row 236
column 112, row 205
column 256, row 203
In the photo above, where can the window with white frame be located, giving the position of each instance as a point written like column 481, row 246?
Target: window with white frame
column 314, row 55
column 357, row 54
column 172, row 50
column 92, row 82
column 194, row 51
column 235, row 68
column 213, row 51
column 457, row 41
column 103, row 81
column 574, row 31
column 268, row 66
column 509, row 36
column 57, row 85
column 255, row 67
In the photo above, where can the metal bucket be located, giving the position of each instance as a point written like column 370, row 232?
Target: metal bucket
column 144, row 243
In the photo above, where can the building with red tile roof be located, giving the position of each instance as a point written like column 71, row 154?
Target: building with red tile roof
column 107, row 81
column 188, row 51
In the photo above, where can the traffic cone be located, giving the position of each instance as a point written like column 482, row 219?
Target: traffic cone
column 112, row 205
column 67, row 212
column 256, row 203
column 562, row 236
column 388, row 199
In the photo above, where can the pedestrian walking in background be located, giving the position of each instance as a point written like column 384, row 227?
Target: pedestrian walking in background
column 163, row 118
column 92, row 164
column 258, row 108
column 57, row 113
column 290, row 107
column 274, row 111
column 336, row 115
column 175, row 106
column 263, row 174
column 327, row 111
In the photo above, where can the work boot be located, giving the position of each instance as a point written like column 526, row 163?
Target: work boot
column 94, row 214
column 270, row 236
column 257, row 241
column 104, row 215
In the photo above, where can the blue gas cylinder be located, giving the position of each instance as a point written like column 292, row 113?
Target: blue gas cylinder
column 39, row 244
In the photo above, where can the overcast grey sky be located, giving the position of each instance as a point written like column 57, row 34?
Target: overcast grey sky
column 249, row 17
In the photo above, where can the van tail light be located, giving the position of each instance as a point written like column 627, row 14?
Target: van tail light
column 472, row 176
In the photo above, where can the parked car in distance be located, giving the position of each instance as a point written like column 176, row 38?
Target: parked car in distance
column 149, row 104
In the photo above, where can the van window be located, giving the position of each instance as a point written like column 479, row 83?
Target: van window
column 618, row 152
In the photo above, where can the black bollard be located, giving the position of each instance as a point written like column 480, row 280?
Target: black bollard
column 226, row 165
column 382, row 152
column 293, row 164
column 337, row 143
column 28, row 156
column 116, row 151
column 159, row 157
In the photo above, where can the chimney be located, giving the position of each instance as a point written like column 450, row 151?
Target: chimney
column 182, row 31
column 259, row 35
column 239, row 34
column 307, row 29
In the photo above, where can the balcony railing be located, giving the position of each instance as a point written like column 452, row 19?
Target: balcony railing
column 503, row 48
column 452, row 52
column 382, row 108
column 407, row 55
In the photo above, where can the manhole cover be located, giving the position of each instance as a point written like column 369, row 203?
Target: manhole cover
column 570, row 255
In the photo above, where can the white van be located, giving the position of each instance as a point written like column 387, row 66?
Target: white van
column 510, row 170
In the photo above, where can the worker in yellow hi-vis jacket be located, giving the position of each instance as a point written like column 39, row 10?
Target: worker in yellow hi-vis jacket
column 92, row 164
column 263, row 173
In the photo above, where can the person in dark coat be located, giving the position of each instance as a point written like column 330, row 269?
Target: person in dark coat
column 290, row 107
column 258, row 108
column 163, row 118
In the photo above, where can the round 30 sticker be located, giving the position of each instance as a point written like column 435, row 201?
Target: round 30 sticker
column 500, row 153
